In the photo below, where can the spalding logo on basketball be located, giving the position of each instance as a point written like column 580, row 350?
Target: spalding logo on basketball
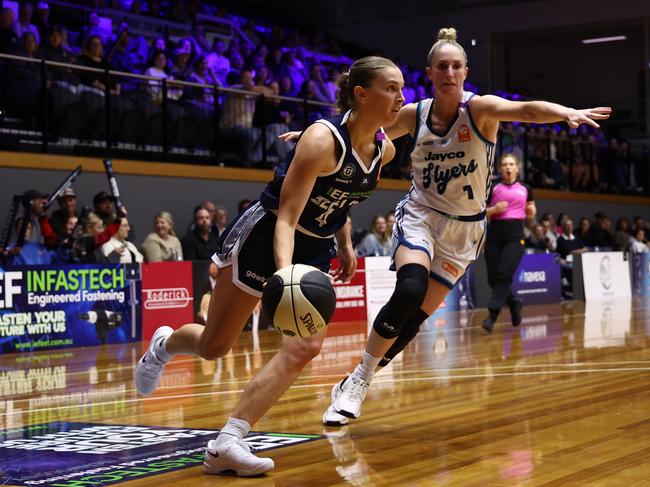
column 299, row 300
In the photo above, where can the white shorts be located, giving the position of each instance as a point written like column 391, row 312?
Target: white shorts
column 452, row 245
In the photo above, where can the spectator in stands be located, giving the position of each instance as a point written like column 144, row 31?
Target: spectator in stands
column 104, row 207
column 639, row 224
column 202, row 74
column 23, row 88
column 96, row 28
column 317, row 76
column 559, row 223
column 42, row 19
column 158, row 69
column 549, row 226
column 200, row 44
column 67, row 208
column 180, row 58
column 639, row 244
column 237, row 119
column 8, row 38
column 118, row 249
column 567, row 245
column 538, row 241
column 93, row 235
column 162, row 244
column 52, row 50
column 375, row 243
column 34, row 201
column 200, row 243
column 220, row 221
column 119, row 57
column 583, row 228
column 24, row 22
column 579, row 167
column 93, row 57
column 31, row 252
column 599, row 235
column 293, row 68
column 622, row 236
column 274, row 62
column 218, row 62
column 242, row 205
column 568, row 242
column 236, row 68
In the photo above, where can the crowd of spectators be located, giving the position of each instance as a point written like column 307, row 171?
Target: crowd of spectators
column 266, row 60
column 100, row 234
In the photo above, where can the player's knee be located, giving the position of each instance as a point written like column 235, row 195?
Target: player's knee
column 408, row 296
column 212, row 351
column 300, row 352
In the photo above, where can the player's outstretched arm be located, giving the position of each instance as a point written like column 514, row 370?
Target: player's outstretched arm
column 502, row 110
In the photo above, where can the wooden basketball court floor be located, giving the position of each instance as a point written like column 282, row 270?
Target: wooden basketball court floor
column 562, row 400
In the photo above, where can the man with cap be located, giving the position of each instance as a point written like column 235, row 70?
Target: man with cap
column 34, row 203
column 67, row 208
column 104, row 208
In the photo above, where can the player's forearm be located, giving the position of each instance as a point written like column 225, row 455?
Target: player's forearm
column 283, row 243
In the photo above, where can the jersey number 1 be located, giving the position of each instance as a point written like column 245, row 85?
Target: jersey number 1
column 470, row 192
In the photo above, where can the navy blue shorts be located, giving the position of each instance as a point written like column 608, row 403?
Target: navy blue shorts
column 247, row 245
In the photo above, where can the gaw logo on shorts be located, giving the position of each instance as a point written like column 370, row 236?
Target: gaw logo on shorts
column 606, row 272
column 84, row 454
column 446, row 266
column 464, row 135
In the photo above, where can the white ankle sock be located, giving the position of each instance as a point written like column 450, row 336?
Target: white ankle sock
column 234, row 428
column 161, row 352
column 366, row 369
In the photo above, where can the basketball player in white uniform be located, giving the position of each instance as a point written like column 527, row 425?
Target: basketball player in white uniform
column 440, row 223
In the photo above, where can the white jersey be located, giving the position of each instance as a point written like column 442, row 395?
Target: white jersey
column 451, row 171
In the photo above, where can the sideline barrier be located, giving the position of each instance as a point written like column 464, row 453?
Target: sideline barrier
column 57, row 306
column 601, row 275
column 43, row 307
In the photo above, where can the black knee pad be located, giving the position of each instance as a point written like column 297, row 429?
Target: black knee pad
column 408, row 333
column 409, row 293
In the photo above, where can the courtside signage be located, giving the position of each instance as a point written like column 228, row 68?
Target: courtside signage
column 63, row 454
column 606, row 275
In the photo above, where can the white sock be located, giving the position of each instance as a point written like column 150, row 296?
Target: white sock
column 366, row 369
column 161, row 352
column 234, row 429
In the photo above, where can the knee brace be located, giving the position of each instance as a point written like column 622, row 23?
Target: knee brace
column 408, row 333
column 409, row 293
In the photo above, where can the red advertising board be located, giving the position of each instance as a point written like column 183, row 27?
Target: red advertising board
column 351, row 297
column 167, row 296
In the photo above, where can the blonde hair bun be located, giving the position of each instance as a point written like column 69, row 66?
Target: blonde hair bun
column 447, row 34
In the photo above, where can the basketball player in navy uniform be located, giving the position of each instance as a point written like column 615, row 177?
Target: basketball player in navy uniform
column 301, row 216
column 441, row 222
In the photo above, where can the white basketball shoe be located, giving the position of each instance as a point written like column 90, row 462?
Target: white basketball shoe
column 149, row 369
column 352, row 391
column 234, row 457
column 331, row 417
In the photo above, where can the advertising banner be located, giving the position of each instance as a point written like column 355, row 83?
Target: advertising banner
column 641, row 274
column 66, row 454
column 167, row 296
column 606, row 275
column 537, row 280
column 43, row 307
column 351, row 296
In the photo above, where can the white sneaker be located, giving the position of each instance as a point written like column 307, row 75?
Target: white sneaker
column 330, row 416
column 234, row 457
column 352, row 392
column 149, row 369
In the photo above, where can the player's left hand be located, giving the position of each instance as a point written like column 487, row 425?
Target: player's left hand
column 347, row 265
column 588, row 115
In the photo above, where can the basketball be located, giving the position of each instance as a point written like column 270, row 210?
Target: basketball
column 299, row 300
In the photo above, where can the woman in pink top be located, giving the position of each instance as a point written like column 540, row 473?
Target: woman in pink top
column 509, row 204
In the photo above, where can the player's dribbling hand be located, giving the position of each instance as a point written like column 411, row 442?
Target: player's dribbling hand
column 347, row 266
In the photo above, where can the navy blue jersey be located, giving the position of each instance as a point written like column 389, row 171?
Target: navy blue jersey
column 332, row 195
